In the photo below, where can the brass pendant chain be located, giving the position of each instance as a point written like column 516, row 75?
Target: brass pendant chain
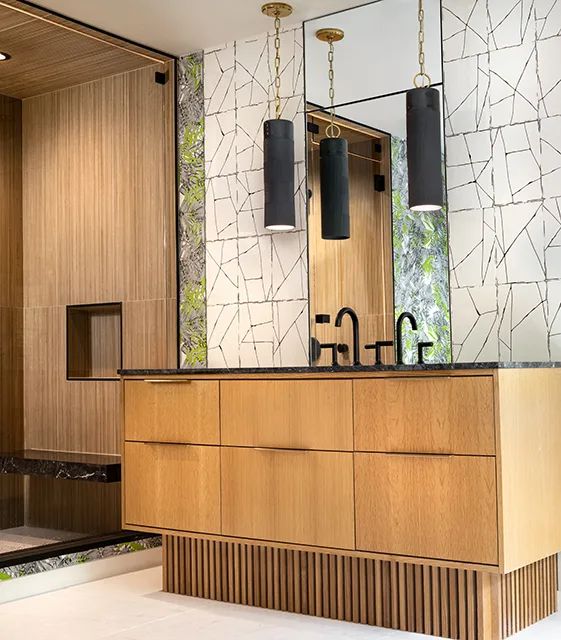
column 422, row 79
column 333, row 130
column 277, row 67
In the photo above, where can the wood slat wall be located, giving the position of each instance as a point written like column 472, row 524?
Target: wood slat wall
column 50, row 53
column 11, row 303
column 99, row 226
column 451, row 603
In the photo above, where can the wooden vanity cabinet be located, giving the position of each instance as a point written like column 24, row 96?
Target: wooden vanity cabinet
column 184, row 411
column 425, row 414
column 172, row 486
column 300, row 497
column 459, row 467
column 293, row 414
column 427, row 506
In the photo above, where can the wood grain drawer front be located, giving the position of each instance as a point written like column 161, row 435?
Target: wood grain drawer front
column 294, row 414
column 301, row 497
column 172, row 486
column 172, row 411
column 425, row 415
column 442, row 507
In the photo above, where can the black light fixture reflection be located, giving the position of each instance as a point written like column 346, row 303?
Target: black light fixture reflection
column 334, row 161
column 278, row 147
column 424, row 136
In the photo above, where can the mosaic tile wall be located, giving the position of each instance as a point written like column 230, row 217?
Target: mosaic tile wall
column 256, row 281
column 503, row 138
column 81, row 557
column 420, row 261
column 191, row 180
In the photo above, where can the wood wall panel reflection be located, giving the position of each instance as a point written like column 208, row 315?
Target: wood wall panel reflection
column 357, row 272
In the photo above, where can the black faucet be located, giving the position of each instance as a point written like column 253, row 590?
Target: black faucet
column 399, row 338
column 347, row 311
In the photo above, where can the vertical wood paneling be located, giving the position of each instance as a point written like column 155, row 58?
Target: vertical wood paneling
column 450, row 603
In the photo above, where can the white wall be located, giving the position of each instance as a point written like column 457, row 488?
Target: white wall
column 257, row 281
column 503, row 128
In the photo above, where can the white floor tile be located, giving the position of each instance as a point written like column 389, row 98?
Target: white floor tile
column 132, row 607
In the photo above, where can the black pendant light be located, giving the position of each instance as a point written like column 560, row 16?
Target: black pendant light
column 278, row 148
column 334, row 161
column 424, row 137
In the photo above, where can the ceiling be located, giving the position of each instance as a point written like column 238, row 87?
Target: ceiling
column 183, row 26
column 48, row 55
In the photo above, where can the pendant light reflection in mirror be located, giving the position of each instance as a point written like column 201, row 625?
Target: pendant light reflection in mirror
column 424, row 155
column 278, row 147
column 334, row 160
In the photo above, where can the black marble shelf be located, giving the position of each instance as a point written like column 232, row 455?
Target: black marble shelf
column 62, row 465
column 447, row 366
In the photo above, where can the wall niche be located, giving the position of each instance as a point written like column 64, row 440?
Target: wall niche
column 93, row 341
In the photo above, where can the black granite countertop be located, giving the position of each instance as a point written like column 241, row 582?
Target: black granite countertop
column 62, row 465
column 447, row 366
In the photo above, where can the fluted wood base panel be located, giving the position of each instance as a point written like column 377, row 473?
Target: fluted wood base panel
column 451, row 603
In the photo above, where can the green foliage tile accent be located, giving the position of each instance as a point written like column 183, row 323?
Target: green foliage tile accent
column 192, row 286
column 421, row 276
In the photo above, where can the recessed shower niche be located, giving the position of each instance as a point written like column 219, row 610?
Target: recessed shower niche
column 93, row 341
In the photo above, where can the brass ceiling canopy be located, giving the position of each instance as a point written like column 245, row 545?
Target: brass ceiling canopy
column 330, row 35
column 276, row 9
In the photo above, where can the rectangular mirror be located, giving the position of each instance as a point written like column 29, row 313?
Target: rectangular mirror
column 395, row 259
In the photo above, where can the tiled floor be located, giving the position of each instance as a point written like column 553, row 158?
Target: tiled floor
column 19, row 538
column 132, row 607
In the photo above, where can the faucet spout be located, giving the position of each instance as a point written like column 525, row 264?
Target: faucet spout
column 347, row 311
column 399, row 333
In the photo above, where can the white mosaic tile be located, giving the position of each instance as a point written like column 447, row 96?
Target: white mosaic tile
column 511, row 23
column 249, row 136
column 552, row 240
column 514, row 85
column 516, row 163
column 467, row 95
column 255, row 268
column 218, row 79
column 220, row 208
column 256, row 334
column 520, row 243
column 550, row 131
column 554, row 318
column 252, row 71
column 222, row 336
column 464, row 28
column 549, row 77
column 469, row 171
column 472, row 248
column 292, row 337
column 523, row 328
column 475, row 329
column 220, row 144
column 290, row 271
column 548, row 18
column 222, row 272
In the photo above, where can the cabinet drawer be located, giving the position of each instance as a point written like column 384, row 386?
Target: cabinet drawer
column 302, row 497
column 183, row 411
column 425, row 415
column 442, row 507
column 172, row 486
column 294, row 414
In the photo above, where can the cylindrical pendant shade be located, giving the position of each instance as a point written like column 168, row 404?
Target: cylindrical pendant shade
column 280, row 212
column 424, row 152
column 334, row 175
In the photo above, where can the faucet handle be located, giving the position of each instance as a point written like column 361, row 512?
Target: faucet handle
column 323, row 318
column 333, row 346
column 377, row 346
column 420, row 348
